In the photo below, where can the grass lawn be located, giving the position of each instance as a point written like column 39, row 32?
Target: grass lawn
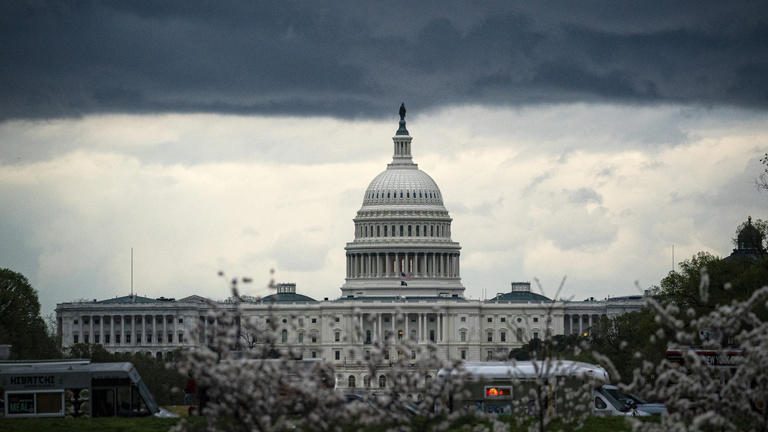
column 150, row 424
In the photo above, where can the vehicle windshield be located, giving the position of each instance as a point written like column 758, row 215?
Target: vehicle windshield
column 623, row 397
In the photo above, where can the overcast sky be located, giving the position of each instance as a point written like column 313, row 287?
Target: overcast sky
column 577, row 139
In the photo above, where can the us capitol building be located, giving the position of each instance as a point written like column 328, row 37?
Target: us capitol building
column 403, row 279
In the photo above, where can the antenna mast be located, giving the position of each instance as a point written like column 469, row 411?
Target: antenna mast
column 131, row 272
column 673, row 257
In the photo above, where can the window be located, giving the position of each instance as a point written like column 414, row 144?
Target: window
column 490, row 336
column 600, row 403
column 351, row 381
column 535, row 319
column 284, row 336
column 85, row 339
column 519, row 320
column 75, row 322
column 314, row 338
column 490, row 320
column 386, row 354
column 314, row 320
column 301, row 322
column 382, row 381
column 180, row 337
column 337, row 355
column 519, row 335
column 463, row 335
column 385, row 230
column 489, row 355
column 337, row 336
column 417, row 230
column 366, row 381
column 503, row 336
column 432, row 335
column 301, row 337
column 138, row 339
column 117, row 338
column 169, row 338
column 181, row 320
column 367, row 336
column 96, row 338
column 503, row 319
column 314, row 354
column 74, row 338
column 285, row 321
column 535, row 335
column 463, row 319
column 337, row 319
column 463, row 354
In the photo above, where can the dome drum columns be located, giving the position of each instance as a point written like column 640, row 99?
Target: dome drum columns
column 403, row 265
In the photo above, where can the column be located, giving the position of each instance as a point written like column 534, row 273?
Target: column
column 407, row 335
column 362, row 329
column 439, row 330
column 91, row 338
column 397, row 264
column 566, row 324
column 379, row 330
column 165, row 328
column 445, row 327
column 174, row 330
column 143, row 329
column 432, row 271
column 458, row 265
column 112, row 330
column 101, row 329
column 418, row 332
column 154, row 329
column 122, row 329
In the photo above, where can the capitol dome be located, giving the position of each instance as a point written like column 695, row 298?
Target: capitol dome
column 403, row 186
column 402, row 245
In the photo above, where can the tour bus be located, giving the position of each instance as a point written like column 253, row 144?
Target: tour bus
column 76, row 388
column 501, row 387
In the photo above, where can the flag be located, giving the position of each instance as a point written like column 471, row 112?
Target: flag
column 403, row 283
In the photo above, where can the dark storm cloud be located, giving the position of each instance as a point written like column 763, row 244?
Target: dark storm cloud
column 63, row 59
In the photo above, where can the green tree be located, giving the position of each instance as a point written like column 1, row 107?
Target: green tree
column 21, row 325
column 729, row 280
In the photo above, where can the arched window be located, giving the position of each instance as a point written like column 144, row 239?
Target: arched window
column 385, row 230
column 351, row 381
column 463, row 335
column 401, row 230
column 408, row 194
column 378, row 231
column 366, row 381
column 382, row 381
column 409, row 231
column 284, row 336
column 417, row 230
column 401, row 194
column 366, row 231
column 432, row 230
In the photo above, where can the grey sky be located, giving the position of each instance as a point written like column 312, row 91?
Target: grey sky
column 354, row 59
column 568, row 138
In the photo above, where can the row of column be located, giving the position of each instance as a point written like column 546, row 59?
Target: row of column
column 369, row 230
column 579, row 323
column 408, row 264
column 421, row 333
column 153, row 330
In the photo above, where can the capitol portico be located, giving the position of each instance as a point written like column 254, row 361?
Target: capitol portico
column 403, row 280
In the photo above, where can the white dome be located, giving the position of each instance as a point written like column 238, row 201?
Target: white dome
column 406, row 185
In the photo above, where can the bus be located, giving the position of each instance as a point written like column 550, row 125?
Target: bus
column 504, row 387
column 74, row 388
